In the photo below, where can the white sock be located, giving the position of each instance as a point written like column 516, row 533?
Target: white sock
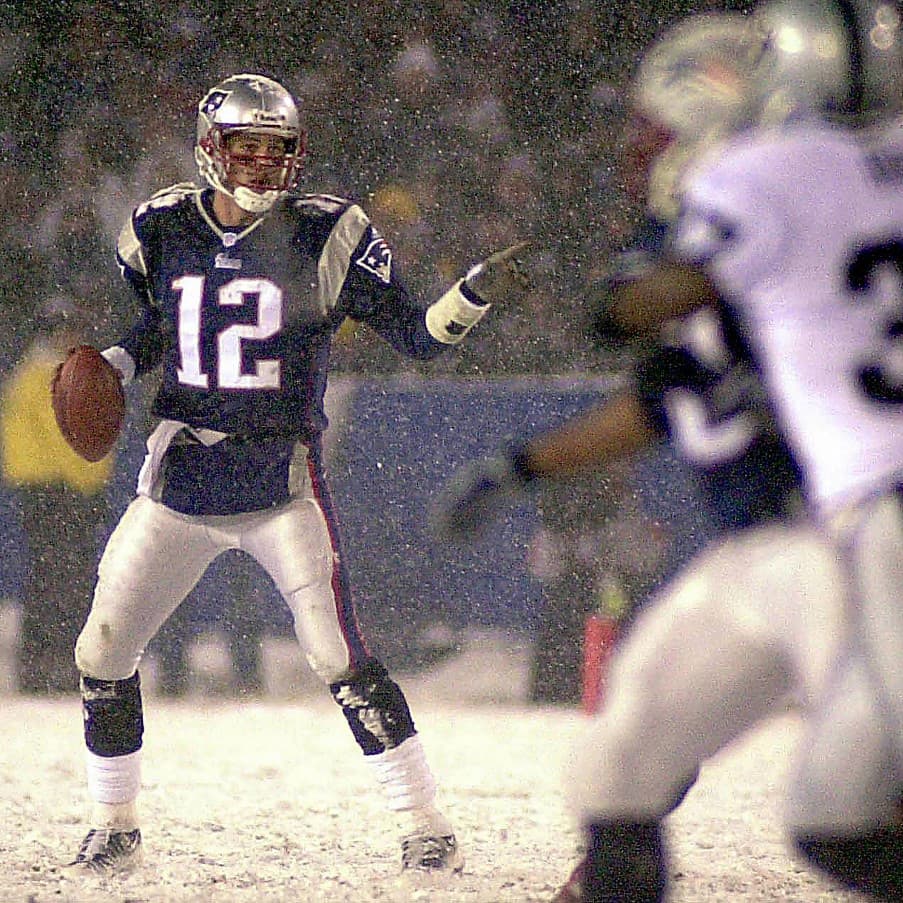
column 117, row 816
column 113, row 784
column 405, row 775
column 410, row 789
column 424, row 820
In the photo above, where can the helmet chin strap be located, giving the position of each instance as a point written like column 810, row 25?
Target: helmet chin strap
column 250, row 201
column 254, row 201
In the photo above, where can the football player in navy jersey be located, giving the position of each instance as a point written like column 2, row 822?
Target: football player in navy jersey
column 691, row 91
column 242, row 282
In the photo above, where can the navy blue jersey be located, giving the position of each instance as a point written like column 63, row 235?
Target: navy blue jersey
column 709, row 402
column 241, row 323
column 701, row 392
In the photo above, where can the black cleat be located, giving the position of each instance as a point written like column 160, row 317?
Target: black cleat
column 430, row 854
column 105, row 850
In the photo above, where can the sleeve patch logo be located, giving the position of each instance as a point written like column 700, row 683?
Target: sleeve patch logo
column 377, row 259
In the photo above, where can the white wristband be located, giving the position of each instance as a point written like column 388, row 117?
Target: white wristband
column 453, row 316
column 122, row 361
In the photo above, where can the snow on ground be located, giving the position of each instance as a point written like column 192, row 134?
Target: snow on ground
column 269, row 800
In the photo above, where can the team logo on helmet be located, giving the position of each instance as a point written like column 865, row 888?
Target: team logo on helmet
column 213, row 101
column 377, row 259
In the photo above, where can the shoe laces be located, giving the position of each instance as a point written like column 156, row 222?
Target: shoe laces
column 102, row 848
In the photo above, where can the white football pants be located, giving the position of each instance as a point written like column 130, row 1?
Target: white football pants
column 849, row 769
column 749, row 627
column 155, row 556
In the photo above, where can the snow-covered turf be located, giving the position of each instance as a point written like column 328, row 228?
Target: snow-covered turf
column 270, row 801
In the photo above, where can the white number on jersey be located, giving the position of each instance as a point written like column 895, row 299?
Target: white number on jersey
column 702, row 439
column 229, row 374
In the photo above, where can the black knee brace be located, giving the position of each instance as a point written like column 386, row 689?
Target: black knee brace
column 114, row 722
column 869, row 863
column 625, row 863
column 375, row 708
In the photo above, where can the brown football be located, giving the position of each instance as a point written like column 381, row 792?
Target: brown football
column 89, row 402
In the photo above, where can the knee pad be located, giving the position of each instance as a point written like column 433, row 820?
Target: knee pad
column 869, row 863
column 102, row 649
column 114, row 722
column 625, row 861
column 375, row 708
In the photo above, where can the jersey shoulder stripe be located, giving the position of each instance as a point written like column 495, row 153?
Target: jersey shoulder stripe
column 168, row 198
column 321, row 204
column 176, row 193
column 128, row 248
column 336, row 256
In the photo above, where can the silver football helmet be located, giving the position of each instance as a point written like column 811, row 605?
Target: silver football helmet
column 249, row 104
column 691, row 89
column 694, row 79
column 837, row 59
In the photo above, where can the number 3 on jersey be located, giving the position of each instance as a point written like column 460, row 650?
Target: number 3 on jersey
column 882, row 378
column 229, row 373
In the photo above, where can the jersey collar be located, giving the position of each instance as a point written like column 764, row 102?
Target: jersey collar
column 228, row 236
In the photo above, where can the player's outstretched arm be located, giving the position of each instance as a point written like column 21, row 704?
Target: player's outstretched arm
column 638, row 307
column 613, row 431
column 473, row 497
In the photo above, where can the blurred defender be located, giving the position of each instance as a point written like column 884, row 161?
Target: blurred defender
column 241, row 284
column 799, row 231
column 692, row 385
column 793, row 234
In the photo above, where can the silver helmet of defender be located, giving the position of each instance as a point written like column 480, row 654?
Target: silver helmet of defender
column 694, row 79
column 693, row 84
column 249, row 103
column 836, row 59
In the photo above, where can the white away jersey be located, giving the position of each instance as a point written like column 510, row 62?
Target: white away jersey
column 802, row 230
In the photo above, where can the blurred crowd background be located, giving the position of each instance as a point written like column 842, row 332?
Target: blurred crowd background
column 461, row 126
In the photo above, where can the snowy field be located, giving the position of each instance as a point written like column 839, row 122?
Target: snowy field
column 270, row 801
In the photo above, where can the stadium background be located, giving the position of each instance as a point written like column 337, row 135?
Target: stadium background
column 460, row 125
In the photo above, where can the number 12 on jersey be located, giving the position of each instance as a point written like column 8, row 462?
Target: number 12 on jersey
column 228, row 364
